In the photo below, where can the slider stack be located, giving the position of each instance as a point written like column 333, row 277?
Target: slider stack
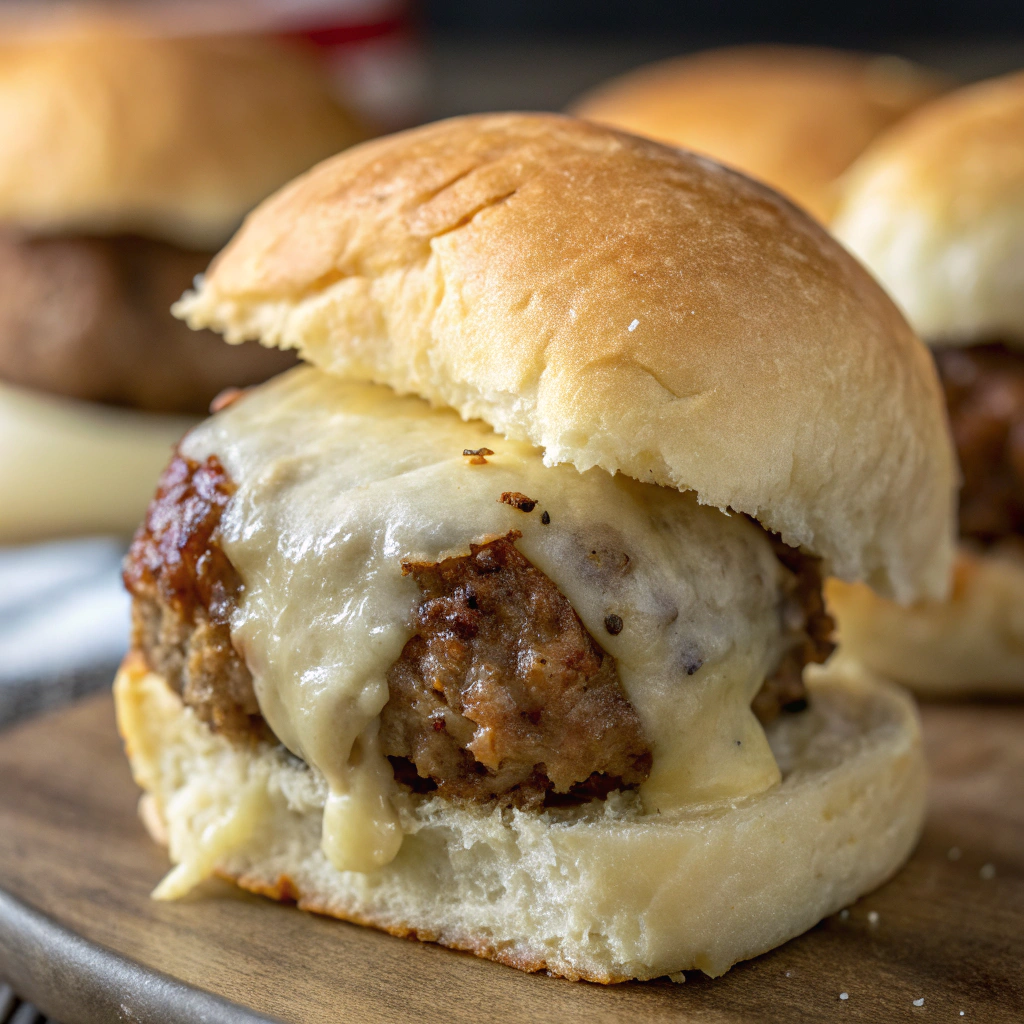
column 936, row 210
column 126, row 160
column 489, row 625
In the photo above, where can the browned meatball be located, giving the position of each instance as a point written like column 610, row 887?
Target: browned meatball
column 501, row 693
column 811, row 629
column 184, row 589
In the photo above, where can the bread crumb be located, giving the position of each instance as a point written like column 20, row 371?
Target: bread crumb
column 987, row 872
column 226, row 398
column 919, row 1002
column 479, row 455
column 873, row 918
column 954, row 853
column 518, row 500
column 844, row 995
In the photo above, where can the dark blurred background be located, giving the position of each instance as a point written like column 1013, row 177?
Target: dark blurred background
column 411, row 60
column 539, row 54
column 807, row 22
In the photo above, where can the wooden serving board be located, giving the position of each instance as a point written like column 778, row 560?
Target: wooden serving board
column 79, row 933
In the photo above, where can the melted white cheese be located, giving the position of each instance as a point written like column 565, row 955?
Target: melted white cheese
column 338, row 483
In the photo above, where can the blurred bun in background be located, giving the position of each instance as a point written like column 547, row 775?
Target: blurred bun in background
column 126, row 160
column 935, row 208
column 793, row 117
column 107, row 129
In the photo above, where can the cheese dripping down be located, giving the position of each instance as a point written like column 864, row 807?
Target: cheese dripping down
column 339, row 482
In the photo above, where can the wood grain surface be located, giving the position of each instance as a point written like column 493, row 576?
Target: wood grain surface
column 946, row 929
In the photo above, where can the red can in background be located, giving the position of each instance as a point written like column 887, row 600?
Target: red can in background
column 372, row 51
column 371, row 48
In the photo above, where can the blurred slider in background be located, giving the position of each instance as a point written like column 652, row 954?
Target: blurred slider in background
column 130, row 151
column 926, row 187
column 935, row 208
column 793, row 117
column 126, row 160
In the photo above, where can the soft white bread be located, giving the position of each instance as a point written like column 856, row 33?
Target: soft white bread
column 972, row 643
column 77, row 467
column 600, row 892
column 105, row 128
column 619, row 304
column 793, row 117
column 935, row 208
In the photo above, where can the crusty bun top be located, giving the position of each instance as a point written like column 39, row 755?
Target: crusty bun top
column 105, row 128
column 936, row 209
column 619, row 304
column 794, row 117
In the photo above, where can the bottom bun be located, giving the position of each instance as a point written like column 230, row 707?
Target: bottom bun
column 601, row 891
column 971, row 643
column 71, row 467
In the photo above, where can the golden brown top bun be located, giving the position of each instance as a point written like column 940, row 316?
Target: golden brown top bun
column 936, row 209
column 619, row 304
column 107, row 129
column 793, row 117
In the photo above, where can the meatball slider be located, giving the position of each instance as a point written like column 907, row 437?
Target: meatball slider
column 936, row 210
column 126, row 160
column 794, row 117
column 471, row 629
